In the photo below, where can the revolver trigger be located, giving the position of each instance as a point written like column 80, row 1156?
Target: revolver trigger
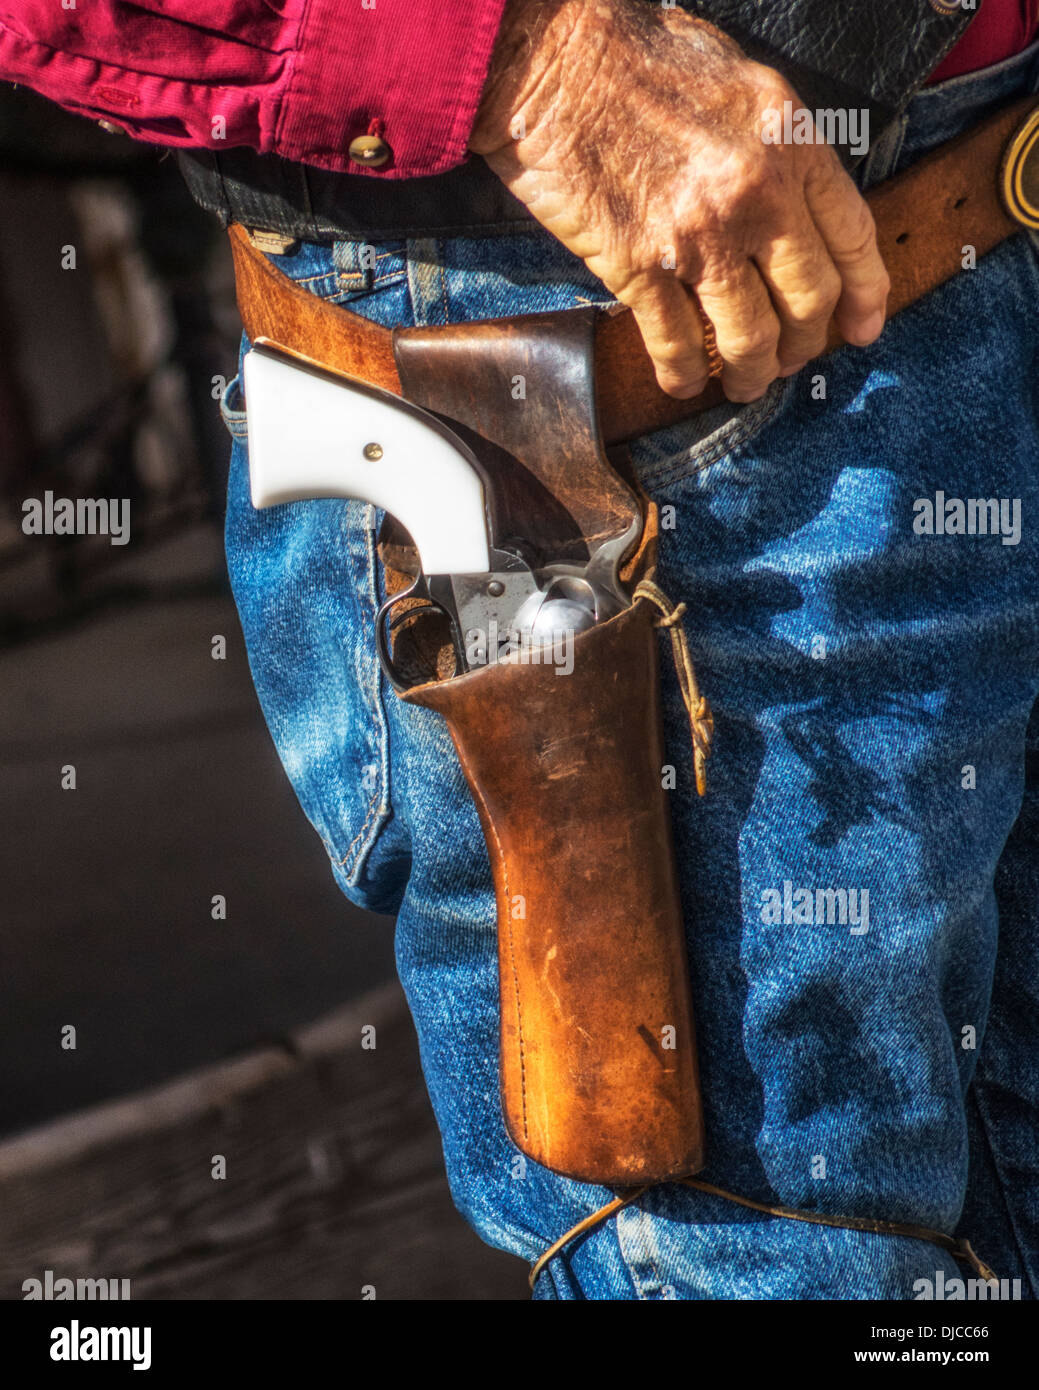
column 386, row 623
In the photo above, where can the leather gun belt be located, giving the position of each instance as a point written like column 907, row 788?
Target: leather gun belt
column 975, row 191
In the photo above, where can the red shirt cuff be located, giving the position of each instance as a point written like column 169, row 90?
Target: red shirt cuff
column 412, row 71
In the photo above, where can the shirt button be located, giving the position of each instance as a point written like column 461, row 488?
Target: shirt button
column 369, row 150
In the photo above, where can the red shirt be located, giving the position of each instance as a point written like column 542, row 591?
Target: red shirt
column 1000, row 28
column 303, row 78
column 299, row 78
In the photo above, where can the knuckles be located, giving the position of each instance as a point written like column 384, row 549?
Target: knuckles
column 862, row 230
column 679, row 359
column 817, row 304
column 750, row 192
column 754, row 340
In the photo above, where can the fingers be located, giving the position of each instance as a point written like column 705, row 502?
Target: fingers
column 810, row 258
column 772, row 315
column 846, row 226
column 805, row 286
column 746, row 329
column 672, row 331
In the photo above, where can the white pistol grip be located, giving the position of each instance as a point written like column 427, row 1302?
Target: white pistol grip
column 313, row 433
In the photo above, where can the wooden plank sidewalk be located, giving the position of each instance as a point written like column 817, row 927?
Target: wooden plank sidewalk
column 334, row 1180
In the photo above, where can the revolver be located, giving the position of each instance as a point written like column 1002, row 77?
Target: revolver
column 314, row 433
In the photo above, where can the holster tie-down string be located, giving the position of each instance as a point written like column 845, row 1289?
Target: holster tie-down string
column 701, row 720
column 959, row 1249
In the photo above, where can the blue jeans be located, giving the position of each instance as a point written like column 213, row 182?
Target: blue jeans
column 874, row 688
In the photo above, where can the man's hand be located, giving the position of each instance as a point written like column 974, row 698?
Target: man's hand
column 633, row 133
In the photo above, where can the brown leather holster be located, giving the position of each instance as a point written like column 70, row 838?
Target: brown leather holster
column 598, row 1052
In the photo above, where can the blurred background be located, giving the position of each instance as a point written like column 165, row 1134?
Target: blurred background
column 197, row 1037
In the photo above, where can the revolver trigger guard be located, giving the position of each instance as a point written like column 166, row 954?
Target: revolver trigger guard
column 384, row 625
column 382, row 645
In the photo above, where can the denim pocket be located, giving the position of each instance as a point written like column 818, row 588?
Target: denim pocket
column 691, row 447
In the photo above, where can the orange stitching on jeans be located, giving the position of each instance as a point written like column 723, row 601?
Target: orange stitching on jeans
column 374, row 806
column 378, row 803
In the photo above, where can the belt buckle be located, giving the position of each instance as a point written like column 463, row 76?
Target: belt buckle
column 1019, row 173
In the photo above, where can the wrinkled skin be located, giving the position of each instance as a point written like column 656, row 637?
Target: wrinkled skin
column 634, row 134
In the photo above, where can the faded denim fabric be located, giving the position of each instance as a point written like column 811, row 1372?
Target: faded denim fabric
column 874, row 691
